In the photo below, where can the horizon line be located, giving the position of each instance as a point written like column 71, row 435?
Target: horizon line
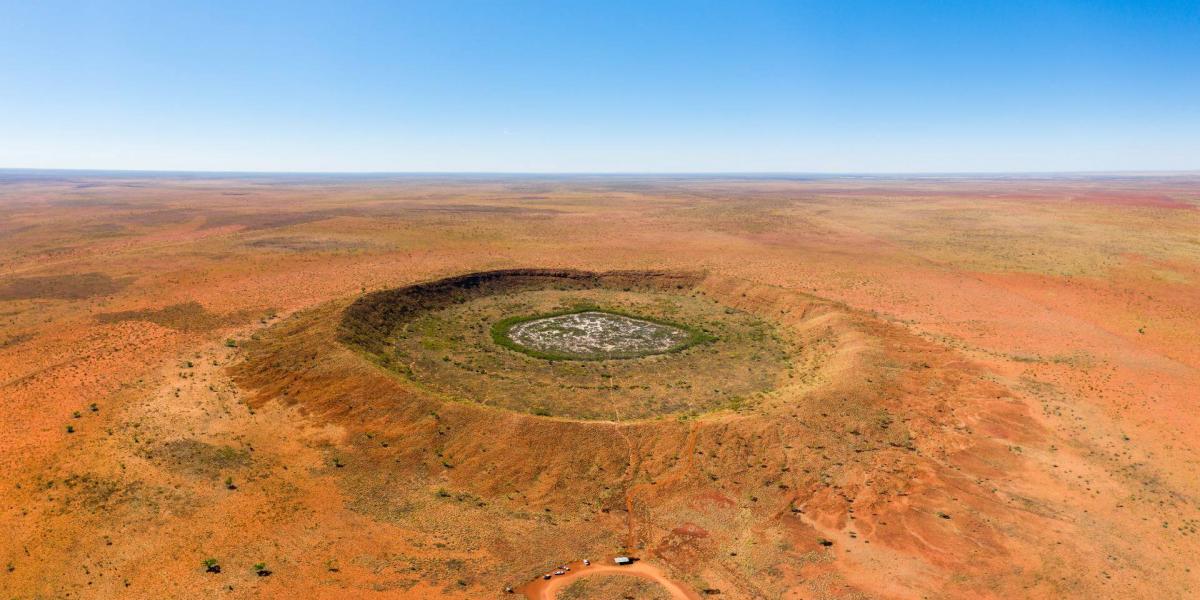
column 235, row 172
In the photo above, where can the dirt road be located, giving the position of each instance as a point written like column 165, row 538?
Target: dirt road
column 547, row 589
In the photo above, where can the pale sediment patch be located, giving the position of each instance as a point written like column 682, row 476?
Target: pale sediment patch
column 595, row 332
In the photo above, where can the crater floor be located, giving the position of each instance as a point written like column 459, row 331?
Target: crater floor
column 596, row 335
column 546, row 343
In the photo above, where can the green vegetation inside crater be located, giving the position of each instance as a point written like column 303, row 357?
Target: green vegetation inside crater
column 460, row 351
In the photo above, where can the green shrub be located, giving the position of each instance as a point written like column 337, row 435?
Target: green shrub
column 211, row 565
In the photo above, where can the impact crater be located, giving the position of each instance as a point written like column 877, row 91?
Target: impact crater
column 597, row 346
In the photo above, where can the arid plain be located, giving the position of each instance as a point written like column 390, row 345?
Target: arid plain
column 918, row 388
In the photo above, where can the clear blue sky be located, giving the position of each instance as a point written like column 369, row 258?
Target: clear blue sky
column 833, row 86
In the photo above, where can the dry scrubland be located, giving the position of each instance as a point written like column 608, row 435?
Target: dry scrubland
column 987, row 388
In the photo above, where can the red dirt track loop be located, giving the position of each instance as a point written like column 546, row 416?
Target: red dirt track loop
column 548, row 589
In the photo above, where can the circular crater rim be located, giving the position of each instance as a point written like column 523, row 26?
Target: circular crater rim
column 437, row 336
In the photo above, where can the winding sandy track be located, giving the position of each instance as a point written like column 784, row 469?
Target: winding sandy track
column 543, row 589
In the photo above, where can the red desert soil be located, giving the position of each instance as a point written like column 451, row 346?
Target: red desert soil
column 993, row 393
